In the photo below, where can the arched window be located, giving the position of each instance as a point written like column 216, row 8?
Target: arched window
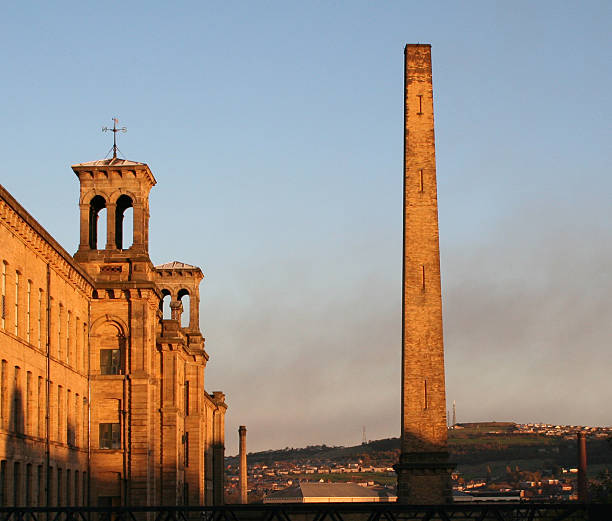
column 183, row 296
column 124, row 236
column 111, row 344
column 96, row 206
column 164, row 305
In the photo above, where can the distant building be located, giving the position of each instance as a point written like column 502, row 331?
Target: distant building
column 487, row 496
column 330, row 493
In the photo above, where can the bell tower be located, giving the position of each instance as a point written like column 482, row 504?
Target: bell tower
column 124, row 319
column 110, row 188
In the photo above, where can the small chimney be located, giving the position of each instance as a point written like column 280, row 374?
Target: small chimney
column 243, row 465
column 583, row 492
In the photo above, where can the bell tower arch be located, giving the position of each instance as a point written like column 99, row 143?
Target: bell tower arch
column 112, row 189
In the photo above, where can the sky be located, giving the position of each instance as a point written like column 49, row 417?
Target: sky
column 274, row 130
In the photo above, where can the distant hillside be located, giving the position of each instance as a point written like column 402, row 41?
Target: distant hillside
column 387, row 448
column 477, row 448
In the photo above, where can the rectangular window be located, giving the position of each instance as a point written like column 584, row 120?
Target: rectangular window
column 16, row 484
column 52, row 405
column 59, row 487
column 85, row 423
column 28, row 403
column 39, row 486
column 77, row 423
column 110, row 436
column 3, row 295
column 68, row 488
column 60, row 412
column 16, row 303
column 68, row 317
column 110, row 361
column 50, row 481
column 4, row 394
column 77, row 495
column 3, row 483
column 17, row 402
column 28, row 303
column 59, row 331
column 85, row 347
column 28, row 485
column 77, row 347
column 69, row 425
column 186, row 449
column 187, row 398
column 40, row 316
column 42, row 400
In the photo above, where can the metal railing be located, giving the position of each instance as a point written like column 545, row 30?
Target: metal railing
column 321, row 512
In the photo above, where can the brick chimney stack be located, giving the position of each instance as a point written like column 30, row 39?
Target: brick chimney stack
column 243, row 465
column 424, row 471
column 583, row 492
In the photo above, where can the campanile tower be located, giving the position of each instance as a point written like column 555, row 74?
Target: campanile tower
column 423, row 471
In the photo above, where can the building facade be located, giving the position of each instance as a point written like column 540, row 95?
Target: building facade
column 102, row 398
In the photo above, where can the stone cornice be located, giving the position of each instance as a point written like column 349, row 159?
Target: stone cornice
column 137, row 170
column 16, row 218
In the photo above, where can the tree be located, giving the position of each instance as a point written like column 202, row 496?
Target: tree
column 600, row 489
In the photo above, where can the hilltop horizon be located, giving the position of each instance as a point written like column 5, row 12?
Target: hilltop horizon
column 391, row 438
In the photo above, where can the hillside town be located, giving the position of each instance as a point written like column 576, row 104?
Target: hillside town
column 568, row 431
column 372, row 468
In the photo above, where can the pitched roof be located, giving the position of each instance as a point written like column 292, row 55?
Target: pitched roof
column 338, row 490
column 293, row 492
column 176, row 265
column 113, row 161
column 328, row 490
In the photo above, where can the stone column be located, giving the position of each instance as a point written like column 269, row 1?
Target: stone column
column 194, row 310
column 243, row 465
column 140, row 227
column 111, row 214
column 176, row 310
column 85, row 227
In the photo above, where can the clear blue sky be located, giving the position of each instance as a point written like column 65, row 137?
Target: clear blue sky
column 275, row 132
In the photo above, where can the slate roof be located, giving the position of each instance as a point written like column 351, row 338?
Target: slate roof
column 176, row 265
column 287, row 493
column 326, row 490
column 113, row 161
column 338, row 490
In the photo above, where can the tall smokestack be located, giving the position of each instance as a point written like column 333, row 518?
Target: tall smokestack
column 583, row 492
column 423, row 471
column 243, row 465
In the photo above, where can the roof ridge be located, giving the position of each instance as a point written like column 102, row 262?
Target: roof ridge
column 173, row 265
column 113, row 161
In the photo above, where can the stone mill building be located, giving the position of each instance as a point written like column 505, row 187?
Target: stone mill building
column 102, row 398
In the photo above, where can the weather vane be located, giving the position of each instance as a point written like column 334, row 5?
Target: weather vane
column 114, row 130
